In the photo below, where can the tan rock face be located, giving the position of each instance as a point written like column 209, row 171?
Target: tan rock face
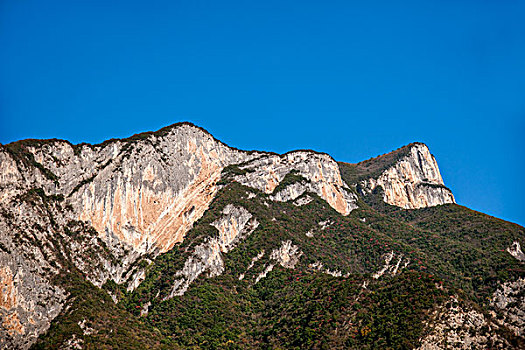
column 7, row 289
column 28, row 303
column 12, row 324
column 146, row 195
column 320, row 171
column 235, row 224
column 144, row 218
column 139, row 195
column 456, row 326
column 413, row 182
column 155, row 193
column 8, row 301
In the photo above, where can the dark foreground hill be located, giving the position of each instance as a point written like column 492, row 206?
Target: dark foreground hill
column 172, row 239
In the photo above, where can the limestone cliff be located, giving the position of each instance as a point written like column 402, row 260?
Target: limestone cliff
column 320, row 170
column 411, row 182
column 104, row 207
column 235, row 224
column 146, row 192
column 100, row 207
column 457, row 326
column 509, row 301
column 106, row 212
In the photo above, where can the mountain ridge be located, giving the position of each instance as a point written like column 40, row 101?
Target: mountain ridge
column 146, row 134
column 149, row 220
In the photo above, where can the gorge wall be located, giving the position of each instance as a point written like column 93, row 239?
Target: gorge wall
column 413, row 182
column 104, row 207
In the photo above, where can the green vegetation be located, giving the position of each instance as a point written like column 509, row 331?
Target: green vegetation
column 289, row 179
column 372, row 168
column 452, row 251
column 19, row 151
column 229, row 173
column 108, row 325
column 302, row 308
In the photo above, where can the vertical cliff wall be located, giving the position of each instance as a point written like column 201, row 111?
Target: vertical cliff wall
column 103, row 208
column 320, row 171
column 412, row 182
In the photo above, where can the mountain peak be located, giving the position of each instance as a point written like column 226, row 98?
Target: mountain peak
column 409, row 177
column 171, row 213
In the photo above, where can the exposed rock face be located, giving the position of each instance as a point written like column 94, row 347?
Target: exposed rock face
column 33, row 242
column 509, row 300
column 390, row 267
column 458, row 327
column 320, row 170
column 318, row 266
column 413, row 182
column 267, row 270
column 290, row 192
column 146, row 193
column 324, row 224
column 254, row 260
column 303, row 201
column 124, row 199
column 153, row 193
column 140, row 195
column 515, row 251
column 28, row 303
column 287, row 255
column 235, row 224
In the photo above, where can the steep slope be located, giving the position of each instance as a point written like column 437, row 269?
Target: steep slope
column 145, row 191
column 173, row 239
column 409, row 178
column 281, row 286
column 109, row 208
column 319, row 170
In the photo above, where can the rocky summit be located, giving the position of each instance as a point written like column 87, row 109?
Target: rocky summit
column 174, row 240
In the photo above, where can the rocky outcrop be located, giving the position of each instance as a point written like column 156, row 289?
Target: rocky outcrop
column 28, row 302
column 287, row 255
column 151, row 195
column 509, row 302
column 515, row 251
column 235, row 224
column 145, row 191
column 303, row 201
column 267, row 270
column 320, row 171
column 291, row 192
column 254, row 260
column 318, row 266
column 455, row 326
column 412, row 182
column 390, row 267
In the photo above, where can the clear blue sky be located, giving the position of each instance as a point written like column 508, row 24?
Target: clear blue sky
column 351, row 78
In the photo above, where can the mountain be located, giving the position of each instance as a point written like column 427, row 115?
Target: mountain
column 172, row 239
